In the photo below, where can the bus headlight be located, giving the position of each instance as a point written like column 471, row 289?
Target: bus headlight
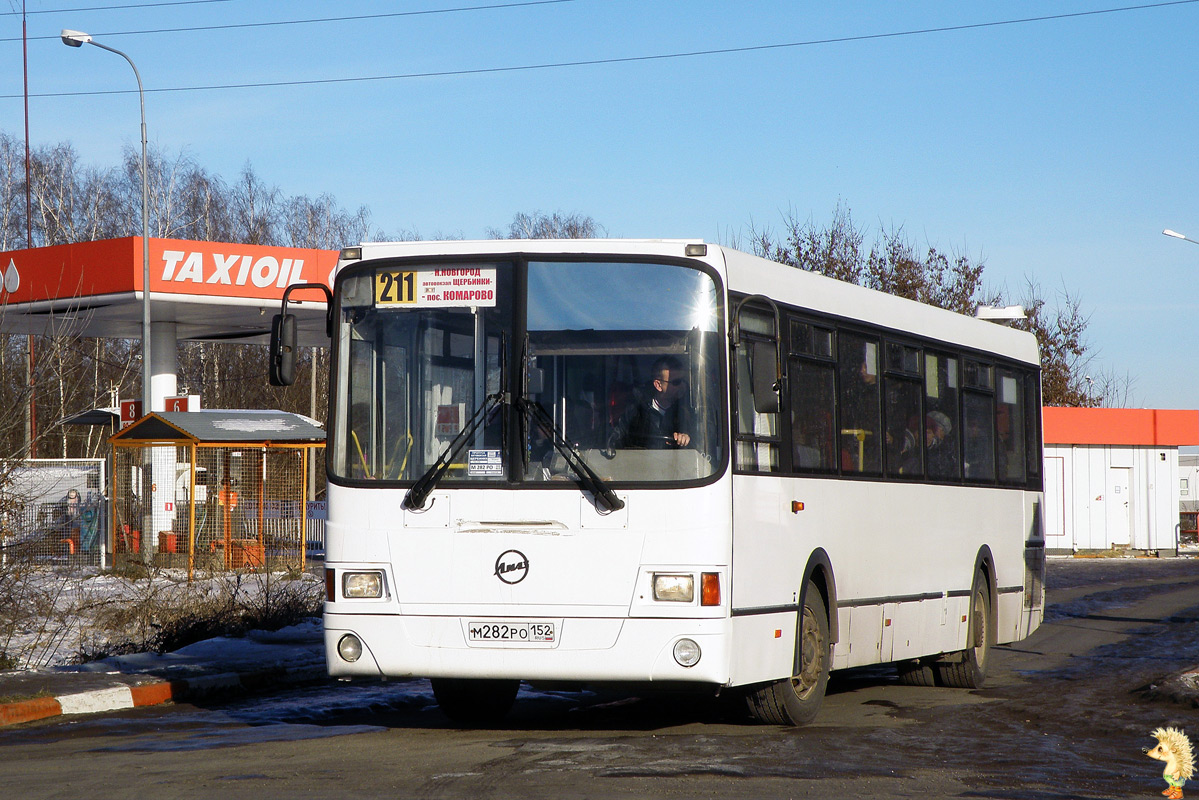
column 674, row 588
column 349, row 647
column 362, row 584
column 686, row 652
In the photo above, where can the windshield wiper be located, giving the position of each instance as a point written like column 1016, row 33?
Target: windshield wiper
column 587, row 476
column 415, row 499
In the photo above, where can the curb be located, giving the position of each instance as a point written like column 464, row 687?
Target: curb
column 120, row 697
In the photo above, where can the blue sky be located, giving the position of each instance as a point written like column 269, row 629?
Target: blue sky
column 1056, row 150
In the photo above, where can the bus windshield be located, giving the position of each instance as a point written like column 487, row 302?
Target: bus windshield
column 618, row 362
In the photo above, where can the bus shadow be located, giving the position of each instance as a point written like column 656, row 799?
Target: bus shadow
column 411, row 705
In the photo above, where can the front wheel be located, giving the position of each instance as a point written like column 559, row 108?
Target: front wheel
column 475, row 702
column 795, row 700
column 968, row 669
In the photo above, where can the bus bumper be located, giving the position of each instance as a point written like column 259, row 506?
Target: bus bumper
column 585, row 650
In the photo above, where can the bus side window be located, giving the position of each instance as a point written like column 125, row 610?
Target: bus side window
column 941, row 424
column 859, row 436
column 812, row 406
column 1009, row 422
column 1032, row 425
column 903, row 438
column 757, row 433
column 978, row 436
column 813, row 398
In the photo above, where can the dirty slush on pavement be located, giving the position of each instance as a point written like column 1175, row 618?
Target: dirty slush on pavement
column 1084, row 714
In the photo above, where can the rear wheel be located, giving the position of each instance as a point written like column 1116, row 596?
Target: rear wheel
column 916, row 673
column 968, row 668
column 795, row 700
column 475, row 702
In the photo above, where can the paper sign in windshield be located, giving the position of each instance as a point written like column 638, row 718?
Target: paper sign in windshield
column 449, row 420
column 484, row 463
column 431, row 288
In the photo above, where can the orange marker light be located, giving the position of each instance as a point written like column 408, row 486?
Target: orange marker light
column 796, row 506
column 709, row 589
column 778, row 634
column 330, row 586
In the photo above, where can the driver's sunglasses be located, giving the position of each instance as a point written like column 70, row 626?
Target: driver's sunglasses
column 674, row 381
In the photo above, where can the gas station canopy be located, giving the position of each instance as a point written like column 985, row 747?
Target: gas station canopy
column 209, row 291
column 199, row 291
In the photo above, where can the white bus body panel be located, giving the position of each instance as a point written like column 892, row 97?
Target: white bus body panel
column 886, row 543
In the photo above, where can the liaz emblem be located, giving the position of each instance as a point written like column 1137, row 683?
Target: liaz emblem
column 512, row 566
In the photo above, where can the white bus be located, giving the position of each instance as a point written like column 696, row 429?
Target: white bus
column 667, row 463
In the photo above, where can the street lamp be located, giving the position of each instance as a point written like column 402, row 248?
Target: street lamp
column 1177, row 235
column 78, row 39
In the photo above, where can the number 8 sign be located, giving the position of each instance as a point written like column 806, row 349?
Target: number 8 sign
column 131, row 412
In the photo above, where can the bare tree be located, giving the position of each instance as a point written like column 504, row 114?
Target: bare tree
column 171, row 182
column 12, row 193
column 1065, row 353
column 549, row 226
column 1113, row 390
column 834, row 250
column 894, row 264
column 255, row 209
column 321, row 223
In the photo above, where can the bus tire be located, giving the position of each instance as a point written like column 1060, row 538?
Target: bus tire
column 916, row 673
column 796, row 700
column 475, row 701
column 967, row 669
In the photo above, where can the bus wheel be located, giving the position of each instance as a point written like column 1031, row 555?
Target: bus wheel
column 795, row 700
column 475, row 702
column 915, row 673
column 968, row 668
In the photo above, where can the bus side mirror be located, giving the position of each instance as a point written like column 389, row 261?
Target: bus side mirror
column 283, row 350
column 765, row 378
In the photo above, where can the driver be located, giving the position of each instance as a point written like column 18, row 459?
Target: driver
column 660, row 417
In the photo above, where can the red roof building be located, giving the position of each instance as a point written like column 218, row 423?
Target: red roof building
column 1112, row 477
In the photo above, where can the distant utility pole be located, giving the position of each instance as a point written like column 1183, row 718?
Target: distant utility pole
column 31, row 415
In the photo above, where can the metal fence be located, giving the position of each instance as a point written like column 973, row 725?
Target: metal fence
column 1188, row 531
column 213, row 507
column 55, row 511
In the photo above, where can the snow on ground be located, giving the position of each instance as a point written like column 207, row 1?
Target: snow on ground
column 52, row 618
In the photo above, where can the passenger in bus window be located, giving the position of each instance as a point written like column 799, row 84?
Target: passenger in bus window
column 942, row 460
column 860, row 443
column 659, row 416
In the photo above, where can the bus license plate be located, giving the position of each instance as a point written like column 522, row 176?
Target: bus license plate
column 513, row 632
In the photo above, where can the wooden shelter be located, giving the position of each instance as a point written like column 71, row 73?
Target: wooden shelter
column 220, row 489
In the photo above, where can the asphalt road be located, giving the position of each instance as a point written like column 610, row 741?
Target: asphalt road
column 1064, row 715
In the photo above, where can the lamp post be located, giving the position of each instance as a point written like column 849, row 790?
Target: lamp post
column 1177, row 235
column 78, row 39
